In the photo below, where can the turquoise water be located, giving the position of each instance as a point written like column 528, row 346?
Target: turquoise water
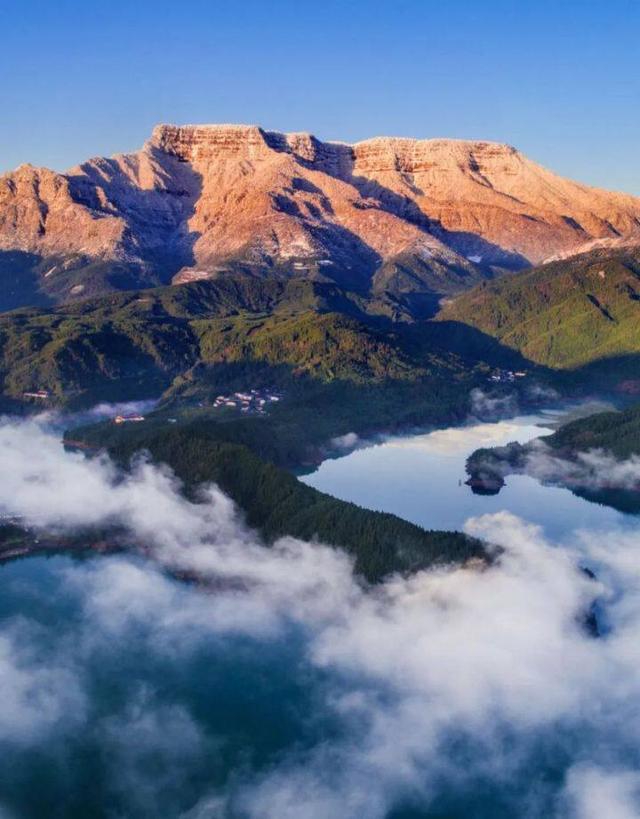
column 150, row 731
column 154, row 732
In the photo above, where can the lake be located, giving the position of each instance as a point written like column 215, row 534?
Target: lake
column 125, row 692
column 421, row 478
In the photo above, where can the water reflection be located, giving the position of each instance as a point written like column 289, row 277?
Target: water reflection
column 421, row 478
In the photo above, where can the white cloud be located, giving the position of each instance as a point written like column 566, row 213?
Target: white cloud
column 486, row 406
column 37, row 696
column 593, row 469
column 349, row 440
column 155, row 745
column 493, row 661
column 594, row 793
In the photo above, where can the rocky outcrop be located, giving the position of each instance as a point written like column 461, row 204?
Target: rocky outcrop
column 39, row 213
column 414, row 216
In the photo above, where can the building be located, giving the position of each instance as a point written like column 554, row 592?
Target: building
column 128, row 419
column 38, row 394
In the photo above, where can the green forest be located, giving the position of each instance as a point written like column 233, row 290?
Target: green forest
column 276, row 503
column 566, row 314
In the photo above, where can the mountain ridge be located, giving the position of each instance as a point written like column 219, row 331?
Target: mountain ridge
column 390, row 216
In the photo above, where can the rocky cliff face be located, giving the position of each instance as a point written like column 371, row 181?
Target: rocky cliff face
column 410, row 217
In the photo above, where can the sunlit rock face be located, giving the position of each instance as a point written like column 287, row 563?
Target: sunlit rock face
column 395, row 214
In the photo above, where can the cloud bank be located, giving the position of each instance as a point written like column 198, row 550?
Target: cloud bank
column 459, row 691
column 593, row 469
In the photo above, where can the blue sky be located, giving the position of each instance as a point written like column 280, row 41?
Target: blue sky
column 560, row 80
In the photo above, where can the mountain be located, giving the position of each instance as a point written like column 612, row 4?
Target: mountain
column 137, row 344
column 566, row 314
column 408, row 221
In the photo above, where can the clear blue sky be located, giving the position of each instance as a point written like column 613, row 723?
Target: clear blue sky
column 560, row 80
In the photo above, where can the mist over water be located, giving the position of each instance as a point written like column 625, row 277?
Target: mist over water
column 282, row 687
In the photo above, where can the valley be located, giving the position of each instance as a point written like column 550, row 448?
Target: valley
column 341, row 368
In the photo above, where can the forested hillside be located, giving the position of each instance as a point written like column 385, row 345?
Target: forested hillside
column 179, row 339
column 277, row 503
column 565, row 314
column 615, row 432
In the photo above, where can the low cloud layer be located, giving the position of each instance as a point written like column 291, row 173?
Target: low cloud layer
column 455, row 690
column 346, row 442
column 486, row 406
column 594, row 469
column 491, row 405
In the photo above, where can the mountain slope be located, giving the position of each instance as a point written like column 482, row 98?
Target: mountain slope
column 564, row 314
column 615, row 432
column 416, row 219
column 130, row 345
